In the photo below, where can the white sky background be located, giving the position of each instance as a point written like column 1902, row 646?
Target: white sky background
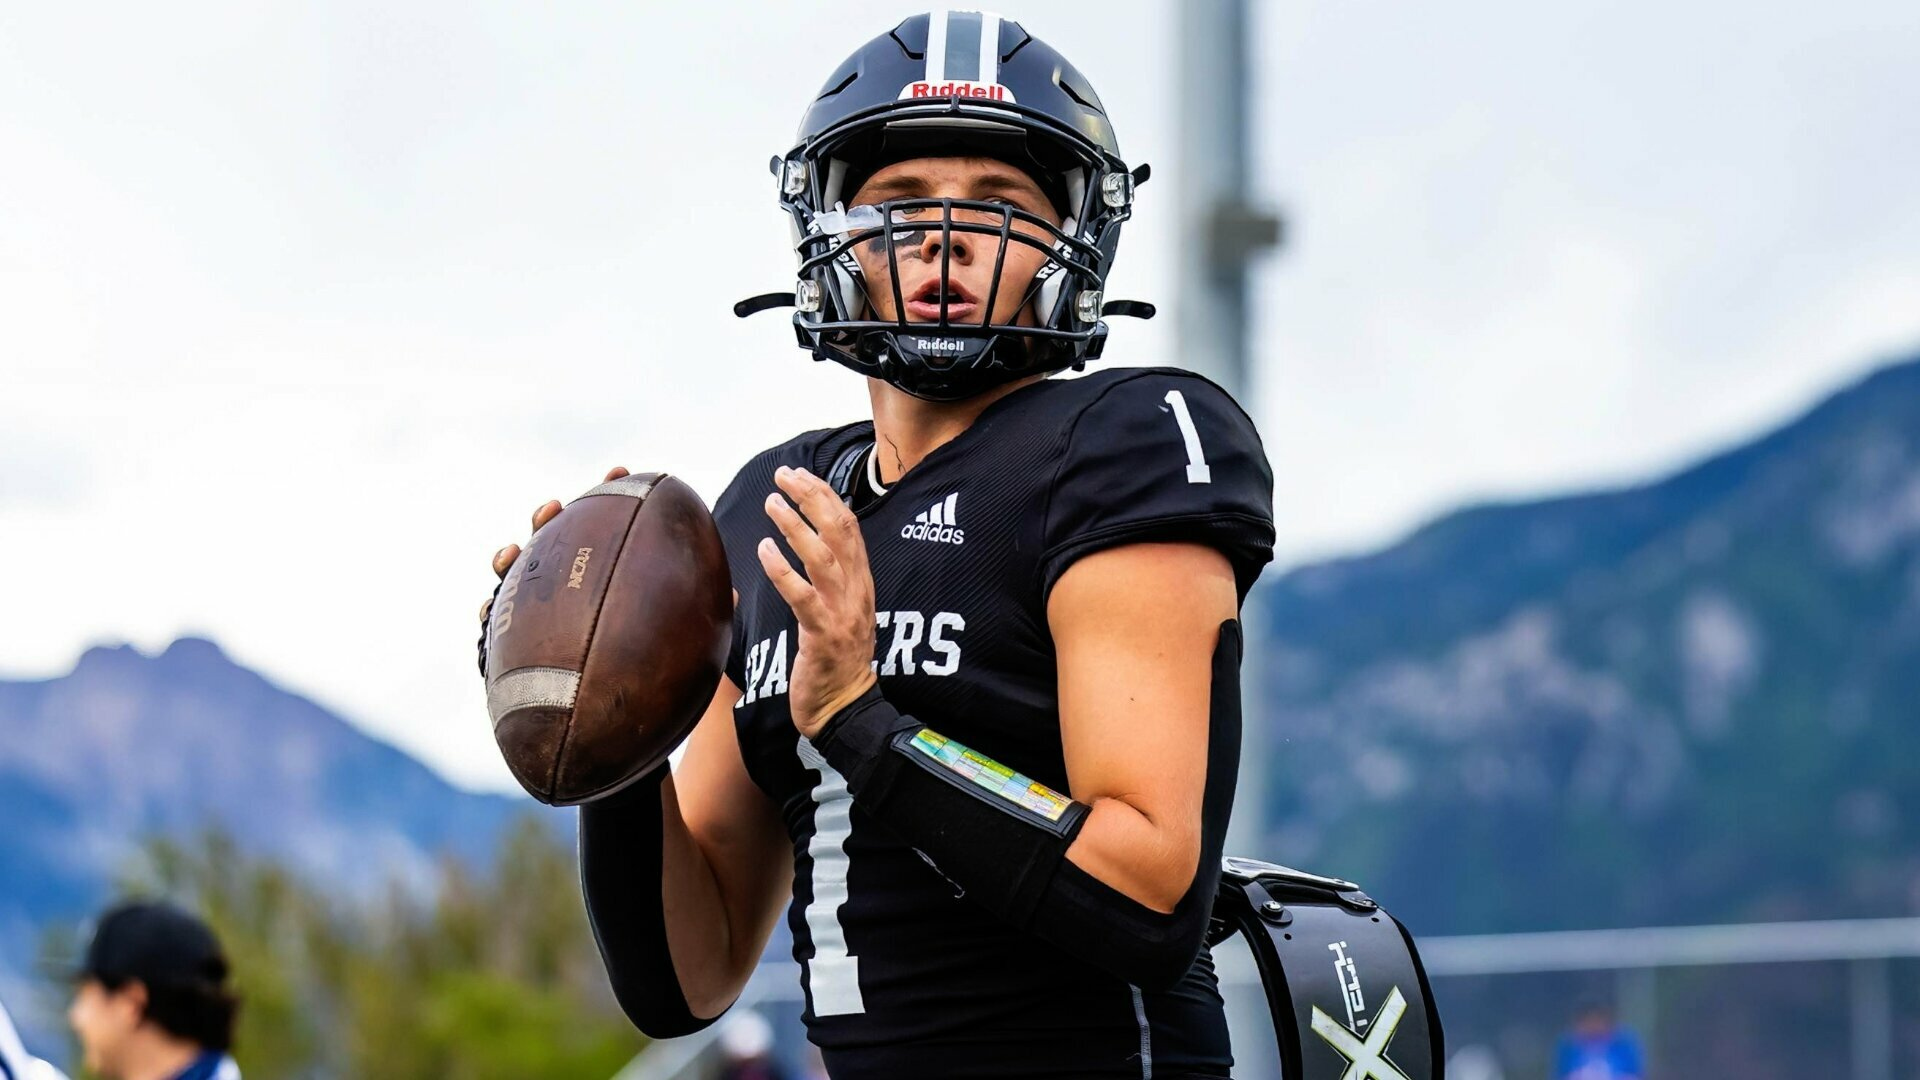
column 304, row 307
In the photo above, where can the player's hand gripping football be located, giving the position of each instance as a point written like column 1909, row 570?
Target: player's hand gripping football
column 503, row 559
column 833, row 602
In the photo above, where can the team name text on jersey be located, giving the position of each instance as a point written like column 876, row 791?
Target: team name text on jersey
column 917, row 645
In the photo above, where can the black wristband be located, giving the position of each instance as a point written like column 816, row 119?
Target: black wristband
column 995, row 834
column 854, row 740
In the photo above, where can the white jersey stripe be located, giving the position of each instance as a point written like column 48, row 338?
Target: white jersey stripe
column 1146, row 1032
column 833, row 973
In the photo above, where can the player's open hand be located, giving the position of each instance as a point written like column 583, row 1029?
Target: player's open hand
column 833, row 602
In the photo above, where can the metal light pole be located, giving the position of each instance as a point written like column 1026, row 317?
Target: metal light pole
column 1213, row 195
column 1215, row 107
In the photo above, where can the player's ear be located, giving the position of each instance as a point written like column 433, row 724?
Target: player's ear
column 131, row 1002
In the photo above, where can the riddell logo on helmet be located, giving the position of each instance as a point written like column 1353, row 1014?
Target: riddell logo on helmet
column 989, row 91
column 938, row 344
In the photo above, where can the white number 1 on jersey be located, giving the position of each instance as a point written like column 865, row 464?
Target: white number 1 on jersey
column 1197, row 471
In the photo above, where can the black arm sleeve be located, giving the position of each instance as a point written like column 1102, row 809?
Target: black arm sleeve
column 1002, row 839
column 620, row 868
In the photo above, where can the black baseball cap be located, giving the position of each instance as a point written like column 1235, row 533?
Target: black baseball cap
column 154, row 942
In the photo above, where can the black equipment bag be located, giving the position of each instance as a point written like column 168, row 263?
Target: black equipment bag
column 1349, row 997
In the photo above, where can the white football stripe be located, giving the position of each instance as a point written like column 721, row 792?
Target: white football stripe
column 531, row 688
column 635, row 486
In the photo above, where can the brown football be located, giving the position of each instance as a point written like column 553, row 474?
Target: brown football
column 607, row 638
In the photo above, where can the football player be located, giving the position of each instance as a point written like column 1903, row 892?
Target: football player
column 980, row 723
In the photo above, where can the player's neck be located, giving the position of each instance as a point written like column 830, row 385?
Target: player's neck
column 906, row 428
column 159, row 1057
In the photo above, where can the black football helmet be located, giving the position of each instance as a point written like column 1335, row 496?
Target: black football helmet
column 944, row 84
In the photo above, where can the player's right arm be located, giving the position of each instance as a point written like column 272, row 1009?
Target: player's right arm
column 683, row 873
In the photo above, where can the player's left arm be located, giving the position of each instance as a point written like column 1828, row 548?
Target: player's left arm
column 1135, row 630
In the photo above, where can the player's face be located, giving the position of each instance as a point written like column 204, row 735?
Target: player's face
column 918, row 252
column 102, row 1019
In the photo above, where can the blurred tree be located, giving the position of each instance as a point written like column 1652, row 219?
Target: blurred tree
column 478, row 977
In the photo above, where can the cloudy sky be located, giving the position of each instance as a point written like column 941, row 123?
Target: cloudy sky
column 304, row 306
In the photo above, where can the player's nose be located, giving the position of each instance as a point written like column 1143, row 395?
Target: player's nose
column 962, row 244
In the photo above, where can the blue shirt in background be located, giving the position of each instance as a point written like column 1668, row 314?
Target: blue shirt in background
column 211, row 1065
column 1613, row 1056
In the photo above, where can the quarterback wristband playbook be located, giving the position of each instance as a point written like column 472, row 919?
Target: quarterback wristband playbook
column 1001, row 838
column 991, row 831
column 620, row 852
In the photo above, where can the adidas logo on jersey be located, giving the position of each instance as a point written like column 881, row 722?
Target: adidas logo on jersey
column 936, row 523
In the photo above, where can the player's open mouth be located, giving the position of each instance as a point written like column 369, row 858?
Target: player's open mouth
column 925, row 304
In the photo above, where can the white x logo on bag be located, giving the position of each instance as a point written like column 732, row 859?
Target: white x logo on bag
column 1367, row 1059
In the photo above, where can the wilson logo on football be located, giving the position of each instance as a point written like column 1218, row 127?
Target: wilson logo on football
column 956, row 89
column 936, row 523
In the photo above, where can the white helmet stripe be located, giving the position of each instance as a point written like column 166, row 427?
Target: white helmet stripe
column 963, row 46
column 989, row 48
column 936, row 46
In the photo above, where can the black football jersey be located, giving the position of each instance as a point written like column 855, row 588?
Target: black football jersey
column 904, row 977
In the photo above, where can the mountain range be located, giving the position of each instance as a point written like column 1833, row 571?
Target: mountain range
column 1690, row 700
column 127, row 746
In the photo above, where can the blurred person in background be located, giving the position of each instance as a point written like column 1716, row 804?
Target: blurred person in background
column 152, row 1001
column 1598, row 1048
column 746, row 1047
column 15, row 1062
column 1475, row 1062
